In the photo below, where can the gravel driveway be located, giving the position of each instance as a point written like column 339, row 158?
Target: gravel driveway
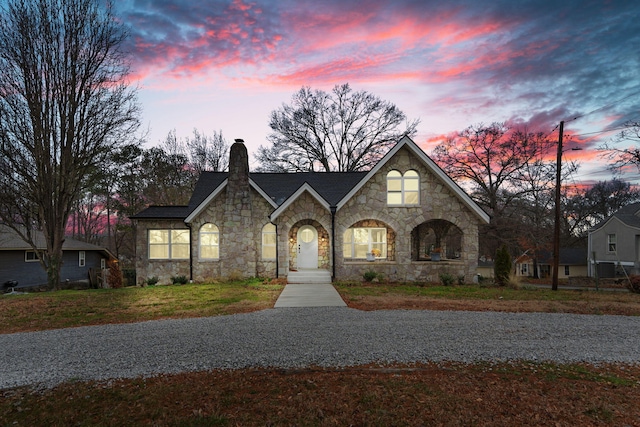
column 299, row 337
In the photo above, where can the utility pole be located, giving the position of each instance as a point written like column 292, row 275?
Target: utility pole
column 556, row 230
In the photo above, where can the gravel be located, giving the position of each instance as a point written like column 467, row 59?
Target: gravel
column 302, row 337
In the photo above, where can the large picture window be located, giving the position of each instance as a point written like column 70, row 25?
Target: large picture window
column 403, row 190
column 360, row 241
column 169, row 244
column 269, row 242
column 209, row 241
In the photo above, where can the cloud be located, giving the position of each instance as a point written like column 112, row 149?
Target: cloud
column 531, row 63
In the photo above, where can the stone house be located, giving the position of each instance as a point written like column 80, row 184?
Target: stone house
column 405, row 219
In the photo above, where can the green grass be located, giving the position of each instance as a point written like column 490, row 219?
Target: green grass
column 70, row 308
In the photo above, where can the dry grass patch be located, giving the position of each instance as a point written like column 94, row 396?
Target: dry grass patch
column 478, row 298
column 431, row 394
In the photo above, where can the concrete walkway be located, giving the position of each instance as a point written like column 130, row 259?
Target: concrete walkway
column 309, row 295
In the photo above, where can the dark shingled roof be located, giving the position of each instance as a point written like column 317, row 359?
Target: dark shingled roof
column 332, row 186
column 11, row 241
column 629, row 215
column 163, row 212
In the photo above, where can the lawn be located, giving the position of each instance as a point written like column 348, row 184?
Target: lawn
column 64, row 309
column 517, row 393
column 366, row 296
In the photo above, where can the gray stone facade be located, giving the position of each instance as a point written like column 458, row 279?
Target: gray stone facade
column 240, row 213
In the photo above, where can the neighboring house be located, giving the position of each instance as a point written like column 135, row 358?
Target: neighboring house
column 615, row 242
column 572, row 263
column 402, row 215
column 19, row 262
column 486, row 268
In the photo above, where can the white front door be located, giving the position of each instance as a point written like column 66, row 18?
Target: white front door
column 307, row 247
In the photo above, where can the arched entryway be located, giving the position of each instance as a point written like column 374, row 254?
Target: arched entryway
column 436, row 239
column 308, row 246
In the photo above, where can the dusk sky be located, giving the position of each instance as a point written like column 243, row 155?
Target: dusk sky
column 225, row 65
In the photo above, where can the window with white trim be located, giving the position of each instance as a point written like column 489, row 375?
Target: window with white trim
column 30, row 256
column 611, row 243
column 360, row 241
column 169, row 244
column 403, row 190
column 209, row 241
column 82, row 258
column 269, row 241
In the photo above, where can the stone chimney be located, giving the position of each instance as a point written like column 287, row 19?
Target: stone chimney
column 239, row 253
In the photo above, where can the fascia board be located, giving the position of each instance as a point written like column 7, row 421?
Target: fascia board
column 304, row 187
column 206, row 201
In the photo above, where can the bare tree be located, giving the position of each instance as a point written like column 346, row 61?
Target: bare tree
column 208, row 153
column 597, row 203
column 339, row 131
column 64, row 108
column 504, row 169
column 626, row 156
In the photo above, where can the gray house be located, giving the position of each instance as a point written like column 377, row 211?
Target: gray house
column 19, row 262
column 615, row 243
column 405, row 218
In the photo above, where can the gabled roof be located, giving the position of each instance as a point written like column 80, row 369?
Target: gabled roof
column 431, row 166
column 628, row 215
column 331, row 189
column 303, row 188
column 11, row 241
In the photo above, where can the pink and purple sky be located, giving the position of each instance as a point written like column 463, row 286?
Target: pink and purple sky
column 225, row 65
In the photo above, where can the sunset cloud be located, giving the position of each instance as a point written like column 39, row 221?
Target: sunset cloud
column 452, row 64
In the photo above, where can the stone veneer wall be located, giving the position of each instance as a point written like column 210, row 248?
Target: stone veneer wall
column 204, row 270
column 366, row 208
column 436, row 201
column 304, row 208
column 147, row 268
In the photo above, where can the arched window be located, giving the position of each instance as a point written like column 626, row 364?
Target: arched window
column 269, row 241
column 209, row 241
column 403, row 190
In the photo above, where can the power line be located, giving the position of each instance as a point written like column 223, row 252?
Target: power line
column 604, row 107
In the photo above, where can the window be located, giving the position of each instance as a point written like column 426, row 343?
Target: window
column 403, row 190
column 360, row 241
column 269, row 241
column 209, row 241
column 81, row 258
column 103, row 263
column 30, row 256
column 169, row 244
column 566, row 270
column 611, row 243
